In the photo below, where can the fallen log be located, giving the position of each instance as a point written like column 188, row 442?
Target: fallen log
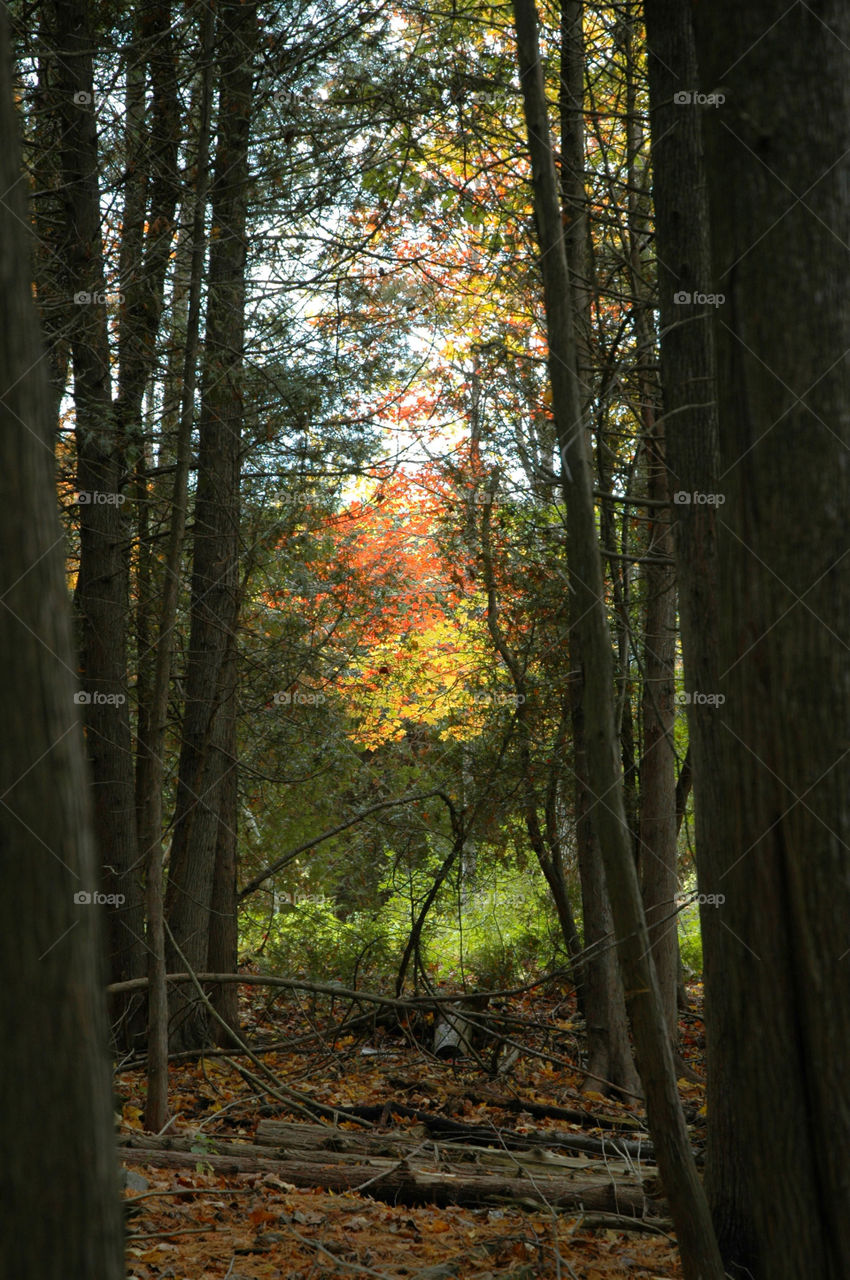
column 396, row 1182
column 640, row 1148
column 438, row 1128
column 324, row 1142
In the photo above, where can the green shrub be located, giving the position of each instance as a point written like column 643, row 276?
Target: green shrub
column 690, row 938
column 492, row 935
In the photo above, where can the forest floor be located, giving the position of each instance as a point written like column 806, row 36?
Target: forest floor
column 193, row 1214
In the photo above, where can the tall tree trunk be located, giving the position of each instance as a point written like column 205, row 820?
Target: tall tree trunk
column 204, row 799
column 690, row 413
column 150, row 771
column 609, row 1053
column 700, row 1256
column 147, row 238
column 60, row 1213
column 52, row 288
column 224, row 925
column 102, row 588
column 656, row 842
column 777, row 176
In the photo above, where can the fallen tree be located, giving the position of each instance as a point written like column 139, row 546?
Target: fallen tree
column 411, row 1168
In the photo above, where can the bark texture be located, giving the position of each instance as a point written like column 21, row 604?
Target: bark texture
column 102, row 589
column 609, row 1051
column 690, row 414
column 60, row 1213
column 778, row 175
column 205, row 798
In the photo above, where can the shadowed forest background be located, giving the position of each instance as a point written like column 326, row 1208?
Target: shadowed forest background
column 446, row 411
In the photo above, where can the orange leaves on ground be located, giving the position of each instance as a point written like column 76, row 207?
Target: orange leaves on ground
column 200, row 1224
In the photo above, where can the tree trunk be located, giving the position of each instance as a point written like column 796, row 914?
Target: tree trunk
column 609, row 1052
column 657, row 841
column 700, row 1257
column 777, row 178
column 60, row 1213
column 656, row 829
column 206, row 754
column 102, row 589
column 223, row 953
column 690, row 412
column 53, row 290
column 150, row 765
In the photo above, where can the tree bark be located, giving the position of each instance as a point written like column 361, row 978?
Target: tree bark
column 151, row 763
column 656, row 844
column 102, row 589
column 609, row 1052
column 700, row 1256
column 52, row 288
column 60, row 1213
column 777, row 179
column 204, row 801
column 223, row 952
column 657, row 838
column 401, row 1172
column 690, row 412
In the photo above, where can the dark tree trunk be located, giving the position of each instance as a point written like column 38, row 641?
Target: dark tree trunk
column 631, row 773
column 657, row 842
column 60, row 1213
column 53, row 289
column 150, row 769
column 103, row 582
column 147, row 237
column 609, row 1052
column 777, row 176
column 690, row 411
column 656, row 823
column 204, row 799
column 224, row 932
column 572, row 184
column 700, row 1257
